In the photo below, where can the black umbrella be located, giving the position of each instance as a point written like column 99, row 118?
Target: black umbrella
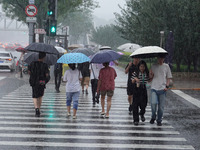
column 50, row 59
column 42, row 47
column 86, row 51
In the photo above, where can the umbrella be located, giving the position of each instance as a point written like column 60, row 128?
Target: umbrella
column 129, row 47
column 21, row 49
column 60, row 49
column 148, row 52
column 105, row 56
column 73, row 46
column 42, row 47
column 50, row 59
column 86, row 51
column 105, row 47
column 71, row 58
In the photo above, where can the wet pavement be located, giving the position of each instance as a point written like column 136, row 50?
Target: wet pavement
column 20, row 129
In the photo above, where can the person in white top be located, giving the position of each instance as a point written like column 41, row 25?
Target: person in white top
column 72, row 77
column 161, row 75
column 94, row 74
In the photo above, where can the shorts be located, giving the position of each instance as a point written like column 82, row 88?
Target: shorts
column 108, row 92
column 85, row 81
column 38, row 91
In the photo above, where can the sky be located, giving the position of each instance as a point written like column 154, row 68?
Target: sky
column 107, row 8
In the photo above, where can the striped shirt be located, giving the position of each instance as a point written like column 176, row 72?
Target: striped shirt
column 143, row 77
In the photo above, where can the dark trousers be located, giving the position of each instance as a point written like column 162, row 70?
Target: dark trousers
column 57, row 80
column 139, row 102
column 94, row 83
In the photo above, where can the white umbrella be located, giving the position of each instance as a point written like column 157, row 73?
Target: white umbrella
column 60, row 49
column 105, row 47
column 129, row 47
column 148, row 52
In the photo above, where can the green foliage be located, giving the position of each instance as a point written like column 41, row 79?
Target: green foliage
column 107, row 35
column 142, row 20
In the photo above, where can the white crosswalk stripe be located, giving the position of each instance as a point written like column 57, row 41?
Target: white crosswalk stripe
column 20, row 129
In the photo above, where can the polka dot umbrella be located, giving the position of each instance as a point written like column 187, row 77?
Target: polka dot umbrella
column 71, row 58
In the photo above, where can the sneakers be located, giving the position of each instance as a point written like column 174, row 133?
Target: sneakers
column 102, row 113
column 37, row 112
column 142, row 118
column 86, row 91
column 74, row 117
column 136, row 123
column 68, row 114
column 159, row 124
column 152, row 121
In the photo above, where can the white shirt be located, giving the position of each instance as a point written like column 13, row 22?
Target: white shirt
column 96, row 68
column 72, row 78
column 161, row 73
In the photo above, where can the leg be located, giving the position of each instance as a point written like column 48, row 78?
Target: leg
column 68, row 101
column 59, row 81
column 56, row 78
column 130, row 101
column 93, row 89
column 109, row 98
column 161, row 104
column 154, row 102
column 75, row 98
column 35, row 102
column 39, row 102
column 135, row 111
column 102, row 103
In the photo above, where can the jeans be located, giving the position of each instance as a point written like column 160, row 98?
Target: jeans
column 157, row 99
column 72, row 96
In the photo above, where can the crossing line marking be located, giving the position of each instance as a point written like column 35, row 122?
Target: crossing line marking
column 187, row 97
column 1, row 78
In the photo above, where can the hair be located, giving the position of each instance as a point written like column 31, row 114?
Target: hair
column 72, row 66
column 142, row 62
column 42, row 55
column 162, row 55
column 106, row 64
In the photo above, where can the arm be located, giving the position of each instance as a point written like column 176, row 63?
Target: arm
column 128, row 67
column 98, row 86
column 151, row 75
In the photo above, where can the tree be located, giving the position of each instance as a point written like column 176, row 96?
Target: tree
column 107, row 35
column 142, row 20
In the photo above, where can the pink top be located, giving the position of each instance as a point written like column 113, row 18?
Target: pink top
column 107, row 77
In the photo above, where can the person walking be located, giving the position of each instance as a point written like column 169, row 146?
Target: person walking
column 161, row 75
column 72, row 78
column 39, row 76
column 140, row 79
column 106, row 86
column 94, row 74
column 58, row 75
column 130, row 68
column 85, row 71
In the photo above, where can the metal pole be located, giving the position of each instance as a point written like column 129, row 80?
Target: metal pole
column 31, row 32
column 161, row 38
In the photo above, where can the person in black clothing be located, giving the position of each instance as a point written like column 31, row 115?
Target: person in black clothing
column 130, row 68
column 39, row 76
column 58, row 75
column 140, row 78
column 85, row 71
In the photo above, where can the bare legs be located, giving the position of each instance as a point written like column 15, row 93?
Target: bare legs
column 37, row 102
column 130, row 99
column 108, row 104
column 74, row 110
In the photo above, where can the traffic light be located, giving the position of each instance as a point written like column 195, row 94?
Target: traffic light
column 51, row 8
column 52, row 27
column 46, row 27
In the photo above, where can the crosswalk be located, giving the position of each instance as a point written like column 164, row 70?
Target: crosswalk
column 20, row 129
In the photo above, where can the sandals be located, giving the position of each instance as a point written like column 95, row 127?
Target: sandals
column 102, row 113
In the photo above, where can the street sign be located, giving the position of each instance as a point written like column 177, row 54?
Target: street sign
column 40, row 31
column 31, row 1
column 31, row 19
column 31, row 10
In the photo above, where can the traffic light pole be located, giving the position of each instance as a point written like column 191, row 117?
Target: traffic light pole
column 31, row 32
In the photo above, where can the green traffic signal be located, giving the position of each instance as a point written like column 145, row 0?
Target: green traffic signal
column 50, row 13
column 53, row 29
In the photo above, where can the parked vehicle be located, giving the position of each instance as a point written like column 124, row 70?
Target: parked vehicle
column 7, row 61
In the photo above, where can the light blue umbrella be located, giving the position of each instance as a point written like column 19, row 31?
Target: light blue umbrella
column 71, row 58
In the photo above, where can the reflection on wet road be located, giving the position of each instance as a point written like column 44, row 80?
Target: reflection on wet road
column 20, row 129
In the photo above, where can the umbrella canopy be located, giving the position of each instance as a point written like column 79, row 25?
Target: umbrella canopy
column 42, row 47
column 105, row 56
column 129, row 47
column 60, row 49
column 50, row 59
column 73, row 46
column 71, row 58
column 105, row 47
column 21, row 49
column 86, row 51
column 148, row 52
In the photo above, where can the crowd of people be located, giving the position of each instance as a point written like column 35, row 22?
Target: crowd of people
column 102, row 78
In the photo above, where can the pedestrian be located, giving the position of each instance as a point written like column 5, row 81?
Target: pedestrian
column 39, row 76
column 94, row 74
column 58, row 75
column 140, row 79
column 85, row 71
column 130, row 68
column 161, row 75
column 72, row 77
column 106, row 86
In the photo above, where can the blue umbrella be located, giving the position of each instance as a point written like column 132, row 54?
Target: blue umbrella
column 105, row 56
column 71, row 58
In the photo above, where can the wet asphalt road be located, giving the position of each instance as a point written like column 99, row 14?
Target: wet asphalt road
column 19, row 129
